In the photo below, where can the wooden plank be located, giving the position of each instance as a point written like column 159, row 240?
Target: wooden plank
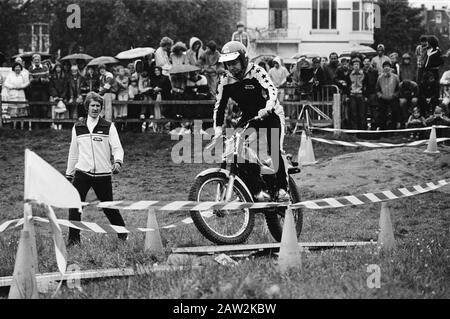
column 102, row 273
column 234, row 248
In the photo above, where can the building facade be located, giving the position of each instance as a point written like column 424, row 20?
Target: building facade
column 288, row 27
column 437, row 21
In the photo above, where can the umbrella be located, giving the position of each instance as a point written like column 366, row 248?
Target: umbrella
column 183, row 68
column 77, row 56
column 309, row 55
column 135, row 53
column 103, row 60
column 364, row 49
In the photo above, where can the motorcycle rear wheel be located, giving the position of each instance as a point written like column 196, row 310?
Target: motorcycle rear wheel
column 275, row 220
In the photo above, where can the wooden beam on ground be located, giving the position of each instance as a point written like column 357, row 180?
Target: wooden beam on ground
column 205, row 250
column 102, row 273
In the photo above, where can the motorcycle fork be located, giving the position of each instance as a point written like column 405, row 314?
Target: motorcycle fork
column 231, row 179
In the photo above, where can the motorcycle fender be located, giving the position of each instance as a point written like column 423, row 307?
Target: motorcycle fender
column 226, row 173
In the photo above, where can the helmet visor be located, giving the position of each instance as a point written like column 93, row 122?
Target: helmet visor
column 226, row 57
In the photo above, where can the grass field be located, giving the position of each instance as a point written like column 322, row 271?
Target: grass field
column 419, row 268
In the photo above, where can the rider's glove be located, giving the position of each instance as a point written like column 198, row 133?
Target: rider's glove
column 262, row 113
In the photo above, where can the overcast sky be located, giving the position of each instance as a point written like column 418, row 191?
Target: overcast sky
column 429, row 3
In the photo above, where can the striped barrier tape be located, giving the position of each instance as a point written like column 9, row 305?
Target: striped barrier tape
column 370, row 198
column 375, row 145
column 351, row 200
column 378, row 131
column 186, row 205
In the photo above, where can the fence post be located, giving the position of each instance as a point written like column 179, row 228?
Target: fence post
column 107, row 103
column 337, row 112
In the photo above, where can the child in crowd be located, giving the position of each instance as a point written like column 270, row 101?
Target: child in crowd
column 438, row 118
column 416, row 120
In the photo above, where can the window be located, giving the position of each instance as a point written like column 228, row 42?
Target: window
column 438, row 17
column 362, row 12
column 277, row 14
column 324, row 14
column 40, row 37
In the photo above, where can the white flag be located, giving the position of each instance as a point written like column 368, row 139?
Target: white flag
column 45, row 184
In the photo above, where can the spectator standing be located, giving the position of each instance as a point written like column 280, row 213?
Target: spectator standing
column 241, row 36
column 387, row 91
column 178, row 54
column 162, row 55
column 25, row 73
column 94, row 142
column 318, row 78
column 195, row 51
column 15, row 84
column 331, row 68
column 433, row 60
column 107, row 82
column 211, row 66
column 357, row 108
column 343, row 82
column 91, row 82
column 161, row 90
column 145, row 92
column 421, row 50
column 407, row 69
column 377, row 61
column 395, row 63
column 445, row 82
column 39, row 87
column 197, row 89
column 370, row 91
column 429, row 93
column 58, row 93
column 120, row 111
column 75, row 98
column 278, row 74
column 323, row 62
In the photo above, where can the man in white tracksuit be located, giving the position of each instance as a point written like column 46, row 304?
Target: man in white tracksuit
column 94, row 140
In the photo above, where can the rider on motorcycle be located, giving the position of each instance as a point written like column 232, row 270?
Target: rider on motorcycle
column 251, row 88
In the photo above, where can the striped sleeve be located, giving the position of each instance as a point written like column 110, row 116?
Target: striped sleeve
column 221, row 102
column 266, row 82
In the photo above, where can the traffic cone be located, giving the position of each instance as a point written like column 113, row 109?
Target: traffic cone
column 289, row 256
column 24, row 285
column 432, row 144
column 306, row 152
column 386, row 240
column 153, row 240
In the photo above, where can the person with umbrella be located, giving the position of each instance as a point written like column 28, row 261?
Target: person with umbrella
column 162, row 55
column 211, row 66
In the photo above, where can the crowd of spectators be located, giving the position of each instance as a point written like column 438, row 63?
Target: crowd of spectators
column 380, row 92
column 173, row 72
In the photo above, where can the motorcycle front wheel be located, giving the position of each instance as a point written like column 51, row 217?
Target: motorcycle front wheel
column 221, row 226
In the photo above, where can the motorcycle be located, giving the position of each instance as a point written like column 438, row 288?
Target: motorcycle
column 227, row 184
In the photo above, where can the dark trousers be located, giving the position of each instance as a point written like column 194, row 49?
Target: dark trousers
column 357, row 112
column 103, row 189
column 252, row 175
column 38, row 110
column 387, row 114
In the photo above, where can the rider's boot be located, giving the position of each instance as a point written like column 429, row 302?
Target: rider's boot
column 283, row 195
column 262, row 196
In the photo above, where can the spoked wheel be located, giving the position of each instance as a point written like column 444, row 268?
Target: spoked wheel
column 275, row 220
column 221, row 226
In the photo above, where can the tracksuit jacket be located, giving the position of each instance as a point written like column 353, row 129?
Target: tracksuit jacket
column 90, row 152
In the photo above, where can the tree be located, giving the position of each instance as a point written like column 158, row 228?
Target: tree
column 401, row 26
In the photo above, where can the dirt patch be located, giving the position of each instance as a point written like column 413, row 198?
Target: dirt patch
column 375, row 170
